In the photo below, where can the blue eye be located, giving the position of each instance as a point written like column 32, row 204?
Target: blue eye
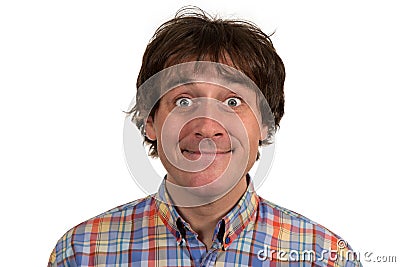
column 232, row 102
column 184, row 102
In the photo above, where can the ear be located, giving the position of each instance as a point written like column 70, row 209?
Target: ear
column 264, row 132
column 149, row 129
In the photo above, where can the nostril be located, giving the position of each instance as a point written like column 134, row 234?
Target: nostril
column 200, row 135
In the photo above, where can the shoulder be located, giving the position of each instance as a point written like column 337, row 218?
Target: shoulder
column 292, row 231
column 133, row 210
column 105, row 228
column 270, row 211
column 292, row 222
column 123, row 215
column 128, row 213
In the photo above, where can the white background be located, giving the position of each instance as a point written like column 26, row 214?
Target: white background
column 68, row 70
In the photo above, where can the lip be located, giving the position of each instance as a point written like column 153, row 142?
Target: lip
column 206, row 155
column 207, row 152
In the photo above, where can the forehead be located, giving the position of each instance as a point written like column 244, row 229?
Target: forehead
column 202, row 71
column 205, row 78
column 205, row 89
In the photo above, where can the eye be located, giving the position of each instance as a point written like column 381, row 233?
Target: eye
column 184, row 102
column 233, row 102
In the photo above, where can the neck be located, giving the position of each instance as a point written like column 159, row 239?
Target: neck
column 203, row 219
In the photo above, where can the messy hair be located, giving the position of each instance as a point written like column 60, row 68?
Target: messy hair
column 195, row 35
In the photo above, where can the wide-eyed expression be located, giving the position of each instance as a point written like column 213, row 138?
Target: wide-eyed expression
column 205, row 133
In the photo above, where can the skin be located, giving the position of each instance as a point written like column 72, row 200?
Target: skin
column 204, row 218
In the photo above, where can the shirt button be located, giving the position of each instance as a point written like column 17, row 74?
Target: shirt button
column 227, row 240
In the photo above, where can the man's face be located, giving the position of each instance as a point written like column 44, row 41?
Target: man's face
column 206, row 134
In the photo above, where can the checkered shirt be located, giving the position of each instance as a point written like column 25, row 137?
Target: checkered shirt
column 150, row 232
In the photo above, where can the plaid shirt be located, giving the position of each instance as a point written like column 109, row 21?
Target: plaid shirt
column 149, row 232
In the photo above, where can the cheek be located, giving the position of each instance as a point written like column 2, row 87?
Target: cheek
column 253, row 130
column 171, row 129
column 184, row 131
column 254, row 135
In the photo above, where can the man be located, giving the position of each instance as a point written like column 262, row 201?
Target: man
column 210, row 92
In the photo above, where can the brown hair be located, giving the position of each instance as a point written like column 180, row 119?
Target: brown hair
column 192, row 33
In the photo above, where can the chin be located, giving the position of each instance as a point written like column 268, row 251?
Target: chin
column 211, row 181
column 199, row 179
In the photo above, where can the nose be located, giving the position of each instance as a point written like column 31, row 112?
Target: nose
column 208, row 128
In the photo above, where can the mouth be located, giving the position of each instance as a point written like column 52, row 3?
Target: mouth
column 198, row 152
column 206, row 155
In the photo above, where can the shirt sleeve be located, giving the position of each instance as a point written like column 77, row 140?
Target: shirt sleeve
column 52, row 259
column 63, row 254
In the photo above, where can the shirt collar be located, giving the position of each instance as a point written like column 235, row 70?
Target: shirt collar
column 241, row 215
column 166, row 210
column 234, row 222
